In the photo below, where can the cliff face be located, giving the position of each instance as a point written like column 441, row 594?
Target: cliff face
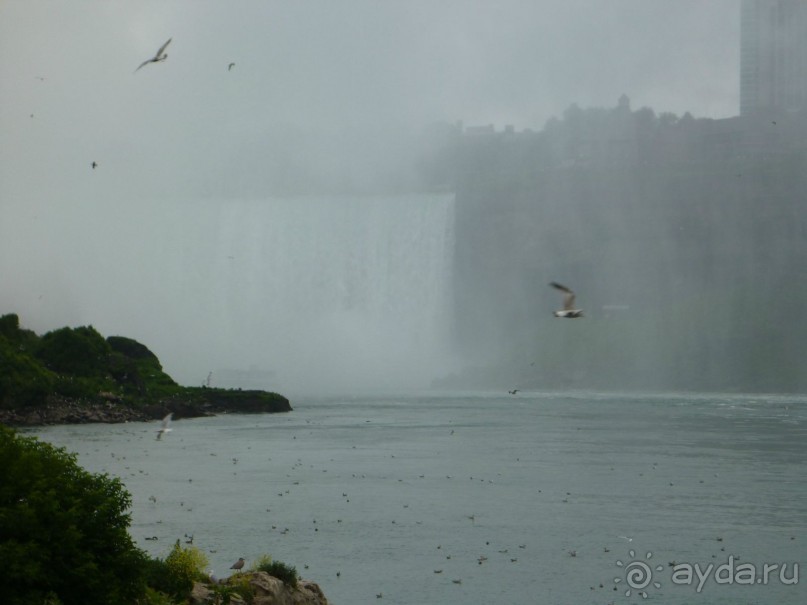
column 675, row 233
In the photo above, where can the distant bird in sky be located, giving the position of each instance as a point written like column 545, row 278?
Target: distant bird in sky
column 238, row 565
column 94, row 165
column 230, row 66
column 569, row 312
column 166, row 426
column 513, row 392
column 160, row 56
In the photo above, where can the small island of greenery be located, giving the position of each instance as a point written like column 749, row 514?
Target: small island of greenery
column 75, row 375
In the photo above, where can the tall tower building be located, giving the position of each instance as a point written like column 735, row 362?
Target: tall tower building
column 773, row 56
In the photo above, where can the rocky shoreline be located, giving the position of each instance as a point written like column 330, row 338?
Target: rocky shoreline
column 207, row 402
column 264, row 590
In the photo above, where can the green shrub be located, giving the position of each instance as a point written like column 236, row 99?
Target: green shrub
column 158, row 577
column 285, row 573
column 223, row 593
column 176, row 574
column 240, row 585
column 64, row 530
column 190, row 562
column 155, row 597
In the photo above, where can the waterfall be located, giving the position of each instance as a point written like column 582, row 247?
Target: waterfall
column 324, row 293
column 294, row 294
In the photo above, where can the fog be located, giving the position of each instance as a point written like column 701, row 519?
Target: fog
column 290, row 223
column 684, row 240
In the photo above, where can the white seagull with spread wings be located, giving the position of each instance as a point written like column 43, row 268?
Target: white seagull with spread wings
column 568, row 312
column 160, row 56
column 166, row 426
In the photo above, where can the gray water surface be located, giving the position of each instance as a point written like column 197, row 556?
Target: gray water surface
column 493, row 491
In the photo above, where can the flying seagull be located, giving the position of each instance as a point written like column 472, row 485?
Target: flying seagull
column 94, row 165
column 160, row 56
column 166, row 426
column 230, row 66
column 569, row 312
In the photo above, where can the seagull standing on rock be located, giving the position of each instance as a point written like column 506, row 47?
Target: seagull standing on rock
column 238, row 565
column 568, row 312
column 159, row 57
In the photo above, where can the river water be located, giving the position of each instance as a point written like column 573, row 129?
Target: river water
column 484, row 497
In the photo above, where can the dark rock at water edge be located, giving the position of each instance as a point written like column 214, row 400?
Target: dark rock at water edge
column 262, row 588
column 204, row 402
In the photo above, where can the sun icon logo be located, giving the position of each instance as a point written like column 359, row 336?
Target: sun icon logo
column 638, row 574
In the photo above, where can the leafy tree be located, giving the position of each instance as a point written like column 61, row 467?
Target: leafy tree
column 79, row 351
column 10, row 326
column 23, row 380
column 63, row 531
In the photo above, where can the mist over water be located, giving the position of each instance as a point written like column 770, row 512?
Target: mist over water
column 336, row 293
column 294, row 294
column 224, row 206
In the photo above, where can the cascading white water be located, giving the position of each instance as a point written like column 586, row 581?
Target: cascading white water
column 326, row 293
column 296, row 294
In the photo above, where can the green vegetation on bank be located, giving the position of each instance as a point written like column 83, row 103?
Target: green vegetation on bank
column 286, row 573
column 65, row 538
column 64, row 530
column 80, row 365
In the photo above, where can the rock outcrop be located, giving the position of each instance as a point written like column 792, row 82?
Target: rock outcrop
column 265, row 590
column 198, row 402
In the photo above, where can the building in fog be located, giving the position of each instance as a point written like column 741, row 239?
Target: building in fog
column 773, row 56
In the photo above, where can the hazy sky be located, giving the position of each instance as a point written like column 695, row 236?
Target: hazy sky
column 363, row 66
column 308, row 74
column 338, row 63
